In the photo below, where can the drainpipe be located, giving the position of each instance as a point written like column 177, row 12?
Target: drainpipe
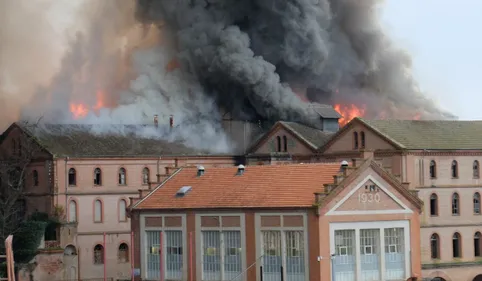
column 158, row 175
column 66, row 182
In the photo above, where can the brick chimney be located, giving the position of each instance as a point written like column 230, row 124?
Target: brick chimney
column 156, row 120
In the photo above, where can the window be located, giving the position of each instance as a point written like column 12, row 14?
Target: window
column 362, row 137
column 285, row 144
column 434, row 204
column 394, row 253
column 73, row 177
column 98, row 211
column 122, row 176
column 145, row 176
column 433, row 169
column 455, row 204
column 456, row 245
column 97, row 176
column 72, row 211
column 355, row 140
column 477, row 203
column 212, row 252
column 122, row 210
column 455, row 169
column 435, row 246
column 475, row 169
column 278, row 143
column 477, row 244
column 35, row 177
column 173, row 255
column 123, row 254
column 98, row 254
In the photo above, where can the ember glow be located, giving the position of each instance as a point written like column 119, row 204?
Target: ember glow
column 348, row 112
column 81, row 110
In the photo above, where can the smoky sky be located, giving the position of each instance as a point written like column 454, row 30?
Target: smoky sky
column 248, row 52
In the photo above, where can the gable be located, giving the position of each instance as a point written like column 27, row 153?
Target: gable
column 270, row 143
column 370, row 194
column 345, row 141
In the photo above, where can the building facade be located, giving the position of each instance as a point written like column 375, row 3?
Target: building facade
column 279, row 222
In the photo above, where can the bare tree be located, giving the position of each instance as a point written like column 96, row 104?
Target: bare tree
column 18, row 150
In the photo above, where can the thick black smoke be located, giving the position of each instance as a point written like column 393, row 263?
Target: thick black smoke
column 245, row 51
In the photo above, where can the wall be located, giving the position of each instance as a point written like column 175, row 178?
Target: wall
column 50, row 265
column 295, row 145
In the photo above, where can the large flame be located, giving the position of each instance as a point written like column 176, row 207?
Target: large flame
column 348, row 112
column 80, row 110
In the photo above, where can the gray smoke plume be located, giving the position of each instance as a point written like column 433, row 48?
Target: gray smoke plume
column 244, row 49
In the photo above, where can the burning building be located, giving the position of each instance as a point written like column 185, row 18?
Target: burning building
column 256, row 61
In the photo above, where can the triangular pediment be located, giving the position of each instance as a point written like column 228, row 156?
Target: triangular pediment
column 370, row 196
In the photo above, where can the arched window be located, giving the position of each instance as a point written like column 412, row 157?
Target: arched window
column 72, row 211
column 278, row 143
column 433, row 169
column 98, row 254
column 435, row 246
column 122, row 210
column 35, row 177
column 97, row 176
column 455, row 169
column 456, row 245
column 362, row 138
column 434, row 204
column 477, row 244
column 123, row 254
column 475, row 169
column 122, row 176
column 455, row 204
column 477, row 203
column 355, row 140
column 145, row 176
column 73, row 177
column 98, row 211
column 285, row 144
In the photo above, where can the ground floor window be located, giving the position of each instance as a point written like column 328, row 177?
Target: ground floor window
column 283, row 255
column 379, row 252
column 221, row 255
column 170, row 249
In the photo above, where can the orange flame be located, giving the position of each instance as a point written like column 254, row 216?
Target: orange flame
column 348, row 112
column 172, row 65
column 80, row 110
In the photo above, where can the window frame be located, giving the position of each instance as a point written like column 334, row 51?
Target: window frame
column 433, row 199
column 76, row 210
column 285, row 143
column 454, row 169
column 362, row 139
column 102, row 254
column 278, row 144
column 144, row 175
column 435, row 242
column 432, row 169
column 476, row 209
column 455, row 200
column 98, row 181
column 125, row 251
column 476, row 169
column 457, row 245
column 101, row 220
column 355, row 140
column 119, row 210
column 122, row 176
column 73, row 172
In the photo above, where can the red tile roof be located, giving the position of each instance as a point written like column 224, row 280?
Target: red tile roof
column 271, row 186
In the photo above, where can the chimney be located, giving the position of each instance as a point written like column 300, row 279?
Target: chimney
column 171, row 121
column 156, row 121
column 240, row 170
column 200, row 171
column 344, row 164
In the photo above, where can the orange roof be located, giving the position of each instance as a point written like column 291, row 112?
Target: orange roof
column 269, row 186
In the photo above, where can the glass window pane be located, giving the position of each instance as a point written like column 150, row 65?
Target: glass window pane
column 370, row 254
column 344, row 263
column 394, row 253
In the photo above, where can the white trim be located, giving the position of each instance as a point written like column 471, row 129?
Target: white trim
column 282, row 229
column 143, row 237
column 405, row 209
column 357, row 226
column 199, row 245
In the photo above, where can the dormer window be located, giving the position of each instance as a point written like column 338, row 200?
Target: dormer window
column 355, row 140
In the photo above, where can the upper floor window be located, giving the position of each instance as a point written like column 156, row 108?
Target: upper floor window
column 433, row 169
column 475, row 169
column 98, row 254
column 35, row 177
column 278, row 144
column 362, row 139
column 97, row 176
column 456, row 245
column 455, row 204
column 455, row 169
column 122, row 176
column 123, row 254
column 73, row 177
column 435, row 246
column 145, row 175
column 477, row 244
column 285, row 144
column 72, row 211
column 433, row 205
column 355, row 140
column 477, row 203
column 98, row 211
column 122, row 210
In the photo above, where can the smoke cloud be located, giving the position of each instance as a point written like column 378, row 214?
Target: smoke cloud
column 123, row 61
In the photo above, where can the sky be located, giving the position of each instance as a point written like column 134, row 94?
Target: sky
column 446, row 46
